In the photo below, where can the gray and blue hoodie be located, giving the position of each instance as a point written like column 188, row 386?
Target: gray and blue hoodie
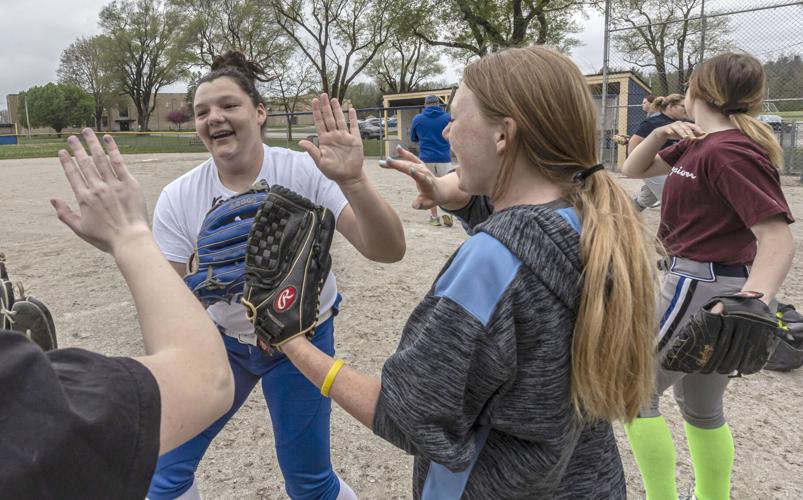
column 479, row 386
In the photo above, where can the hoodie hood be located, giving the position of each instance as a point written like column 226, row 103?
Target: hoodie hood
column 433, row 111
column 545, row 242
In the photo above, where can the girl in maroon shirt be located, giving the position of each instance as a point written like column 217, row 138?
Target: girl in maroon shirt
column 724, row 224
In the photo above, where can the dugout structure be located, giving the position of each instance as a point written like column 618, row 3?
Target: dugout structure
column 626, row 90
column 408, row 105
column 625, row 93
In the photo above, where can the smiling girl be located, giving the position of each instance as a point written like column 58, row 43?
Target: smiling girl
column 230, row 117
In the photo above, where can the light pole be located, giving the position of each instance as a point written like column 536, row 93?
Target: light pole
column 27, row 118
column 605, row 56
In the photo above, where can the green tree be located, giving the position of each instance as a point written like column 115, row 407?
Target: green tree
column 476, row 27
column 249, row 26
column 404, row 63
column 86, row 63
column 148, row 52
column 785, row 81
column 289, row 86
column 664, row 37
column 365, row 95
column 58, row 105
column 339, row 38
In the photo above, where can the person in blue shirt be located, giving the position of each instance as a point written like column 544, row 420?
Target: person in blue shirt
column 434, row 150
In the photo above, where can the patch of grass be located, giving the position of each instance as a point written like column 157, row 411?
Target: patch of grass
column 790, row 115
column 48, row 146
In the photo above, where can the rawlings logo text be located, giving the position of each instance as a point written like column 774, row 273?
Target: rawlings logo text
column 285, row 299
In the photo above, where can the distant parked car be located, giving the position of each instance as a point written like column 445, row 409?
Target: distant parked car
column 774, row 121
column 392, row 122
column 372, row 132
column 372, row 122
column 372, row 128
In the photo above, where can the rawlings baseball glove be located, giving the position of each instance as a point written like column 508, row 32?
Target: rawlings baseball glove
column 25, row 314
column 216, row 271
column 741, row 339
column 286, row 264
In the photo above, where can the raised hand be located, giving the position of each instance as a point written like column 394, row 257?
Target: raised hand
column 410, row 164
column 111, row 204
column 432, row 191
column 339, row 152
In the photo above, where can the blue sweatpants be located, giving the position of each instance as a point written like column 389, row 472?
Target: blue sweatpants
column 299, row 414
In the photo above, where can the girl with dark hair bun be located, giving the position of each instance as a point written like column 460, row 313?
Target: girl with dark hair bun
column 725, row 226
column 229, row 116
column 665, row 110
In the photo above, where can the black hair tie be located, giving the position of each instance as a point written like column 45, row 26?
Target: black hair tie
column 731, row 108
column 584, row 174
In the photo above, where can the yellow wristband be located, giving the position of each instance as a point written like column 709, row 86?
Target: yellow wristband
column 330, row 377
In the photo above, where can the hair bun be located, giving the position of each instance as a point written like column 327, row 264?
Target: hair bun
column 236, row 59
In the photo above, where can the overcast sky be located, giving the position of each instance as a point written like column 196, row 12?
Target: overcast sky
column 33, row 33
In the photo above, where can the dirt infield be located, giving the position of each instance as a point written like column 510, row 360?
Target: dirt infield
column 93, row 310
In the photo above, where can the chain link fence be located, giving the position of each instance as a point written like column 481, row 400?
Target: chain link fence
column 381, row 128
column 652, row 46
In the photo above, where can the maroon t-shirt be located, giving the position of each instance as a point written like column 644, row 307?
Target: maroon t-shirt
column 720, row 186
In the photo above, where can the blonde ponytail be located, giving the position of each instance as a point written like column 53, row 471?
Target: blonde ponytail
column 657, row 104
column 762, row 134
column 613, row 345
column 660, row 103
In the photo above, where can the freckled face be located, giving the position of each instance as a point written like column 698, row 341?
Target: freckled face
column 472, row 137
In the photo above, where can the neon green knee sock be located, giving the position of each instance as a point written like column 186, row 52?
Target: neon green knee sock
column 712, row 456
column 652, row 445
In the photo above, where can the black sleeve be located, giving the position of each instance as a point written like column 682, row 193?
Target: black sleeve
column 476, row 211
column 645, row 128
column 75, row 424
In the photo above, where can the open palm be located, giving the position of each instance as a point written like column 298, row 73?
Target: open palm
column 339, row 152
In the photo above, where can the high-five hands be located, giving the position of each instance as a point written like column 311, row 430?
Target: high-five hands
column 339, row 152
column 111, row 204
column 427, row 184
column 432, row 191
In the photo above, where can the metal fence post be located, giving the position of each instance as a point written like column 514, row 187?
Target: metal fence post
column 702, row 33
column 604, row 100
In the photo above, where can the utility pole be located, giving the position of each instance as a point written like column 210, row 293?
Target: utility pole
column 27, row 118
column 702, row 35
column 604, row 114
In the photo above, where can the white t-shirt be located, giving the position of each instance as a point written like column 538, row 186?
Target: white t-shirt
column 183, row 203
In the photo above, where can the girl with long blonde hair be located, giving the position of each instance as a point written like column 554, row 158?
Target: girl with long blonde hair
column 536, row 333
column 724, row 224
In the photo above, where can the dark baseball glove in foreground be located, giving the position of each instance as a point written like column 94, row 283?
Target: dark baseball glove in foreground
column 25, row 314
column 741, row 339
column 287, row 261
